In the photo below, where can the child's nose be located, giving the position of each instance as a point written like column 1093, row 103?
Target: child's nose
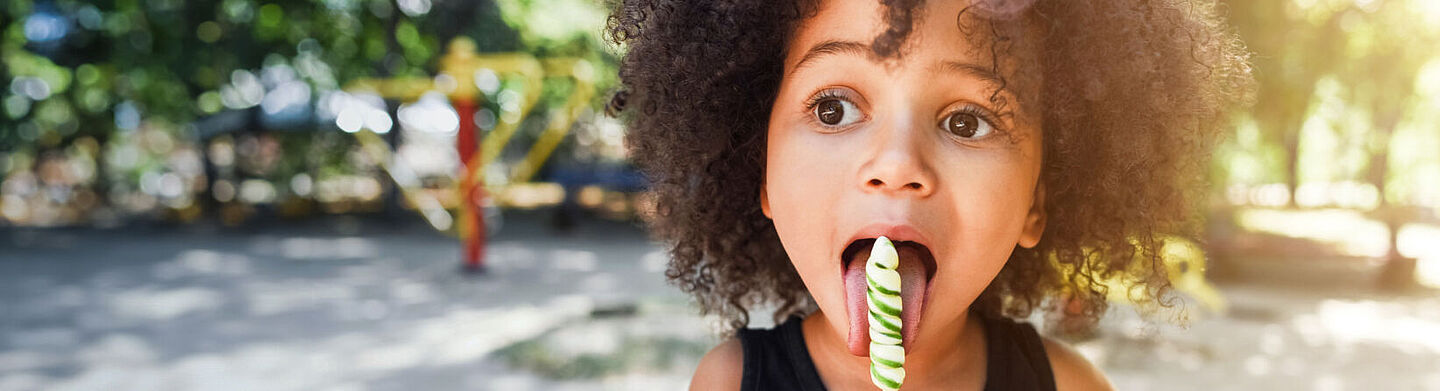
column 898, row 166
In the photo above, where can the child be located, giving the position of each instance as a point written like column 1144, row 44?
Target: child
column 1014, row 150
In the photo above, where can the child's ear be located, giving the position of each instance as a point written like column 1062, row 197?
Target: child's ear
column 1035, row 220
column 764, row 201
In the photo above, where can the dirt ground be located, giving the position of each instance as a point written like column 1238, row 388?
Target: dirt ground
column 350, row 304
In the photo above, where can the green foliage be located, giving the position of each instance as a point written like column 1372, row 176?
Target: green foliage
column 1339, row 83
column 137, row 78
column 171, row 59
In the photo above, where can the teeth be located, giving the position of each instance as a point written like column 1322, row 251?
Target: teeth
column 882, row 291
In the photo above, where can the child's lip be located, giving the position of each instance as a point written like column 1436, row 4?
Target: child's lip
column 927, row 256
column 896, row 232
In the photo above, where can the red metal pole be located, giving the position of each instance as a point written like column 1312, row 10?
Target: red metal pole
column 472, row 191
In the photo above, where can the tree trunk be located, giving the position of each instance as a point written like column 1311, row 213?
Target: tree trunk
column 1291, row 140
column 1398, row 273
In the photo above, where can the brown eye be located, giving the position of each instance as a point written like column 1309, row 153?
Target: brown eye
column 836, row 112
column 966, row 125
column 830, row 112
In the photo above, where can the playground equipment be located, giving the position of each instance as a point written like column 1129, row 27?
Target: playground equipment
column 462, row 75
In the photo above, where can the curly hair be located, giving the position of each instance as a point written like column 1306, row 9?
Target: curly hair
column 1134, row 96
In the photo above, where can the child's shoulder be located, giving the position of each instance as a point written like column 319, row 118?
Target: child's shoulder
column 1071, row 370
column 760, row 358
column 1027, row 353
column 721, row 368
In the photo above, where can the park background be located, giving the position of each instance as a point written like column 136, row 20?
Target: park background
column 245, row 194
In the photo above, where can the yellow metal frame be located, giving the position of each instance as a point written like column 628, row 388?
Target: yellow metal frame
column 456, row 79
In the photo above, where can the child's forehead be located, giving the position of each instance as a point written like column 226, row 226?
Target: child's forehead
column 953, row 35
column 952, row 30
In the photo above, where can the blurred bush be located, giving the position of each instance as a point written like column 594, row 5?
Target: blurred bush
column 170, row 109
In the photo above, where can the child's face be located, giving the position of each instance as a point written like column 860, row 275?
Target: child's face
column 860, row 147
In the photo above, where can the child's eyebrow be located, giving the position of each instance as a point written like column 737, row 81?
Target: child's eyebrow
column 831, row 48
column 984, row 73
column 836, row 47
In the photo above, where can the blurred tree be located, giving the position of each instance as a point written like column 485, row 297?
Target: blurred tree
column 118, row 70
column 1285, row 81
column 1368, row 56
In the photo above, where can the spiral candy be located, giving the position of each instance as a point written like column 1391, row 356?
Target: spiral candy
column 882, row 291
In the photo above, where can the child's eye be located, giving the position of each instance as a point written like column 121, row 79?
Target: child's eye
column 967, row 124
column 836, row 112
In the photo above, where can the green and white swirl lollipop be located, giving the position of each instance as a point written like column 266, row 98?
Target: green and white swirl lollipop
column 882, row 291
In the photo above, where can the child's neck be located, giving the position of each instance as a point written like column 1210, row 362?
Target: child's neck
column 952, row 358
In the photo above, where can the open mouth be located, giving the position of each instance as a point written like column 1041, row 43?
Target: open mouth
column 917, row 268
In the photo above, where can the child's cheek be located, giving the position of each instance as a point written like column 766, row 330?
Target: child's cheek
column 980, row 242
column 804, row 179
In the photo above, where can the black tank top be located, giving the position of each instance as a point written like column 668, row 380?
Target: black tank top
column 776, row 359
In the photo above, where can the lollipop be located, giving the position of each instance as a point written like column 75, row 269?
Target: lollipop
column 882, row 291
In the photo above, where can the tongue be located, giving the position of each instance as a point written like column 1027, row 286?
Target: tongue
column 912, row 297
